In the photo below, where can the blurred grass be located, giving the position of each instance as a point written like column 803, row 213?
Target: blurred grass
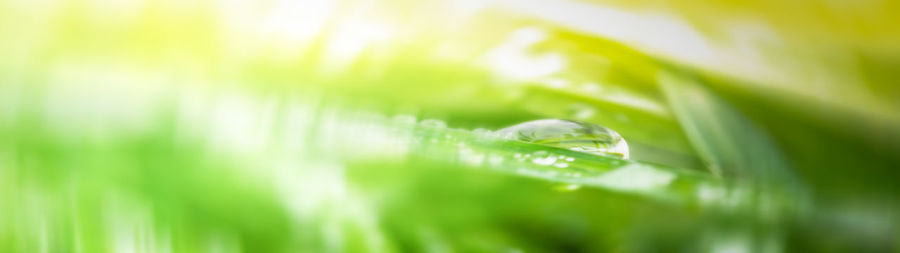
column 222, row 126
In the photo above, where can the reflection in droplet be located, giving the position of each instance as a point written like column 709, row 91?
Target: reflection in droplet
column 573, row 135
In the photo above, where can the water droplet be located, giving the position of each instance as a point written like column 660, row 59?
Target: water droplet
column 561, row 165
column 572, row 135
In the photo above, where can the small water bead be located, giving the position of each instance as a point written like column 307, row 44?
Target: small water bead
column 572, row 135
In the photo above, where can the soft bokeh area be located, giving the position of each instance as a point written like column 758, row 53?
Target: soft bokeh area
column 372, row 126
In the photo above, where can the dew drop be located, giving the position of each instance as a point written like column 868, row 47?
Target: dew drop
column 572, row 135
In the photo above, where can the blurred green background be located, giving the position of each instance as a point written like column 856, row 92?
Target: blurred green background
column 350, row 126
